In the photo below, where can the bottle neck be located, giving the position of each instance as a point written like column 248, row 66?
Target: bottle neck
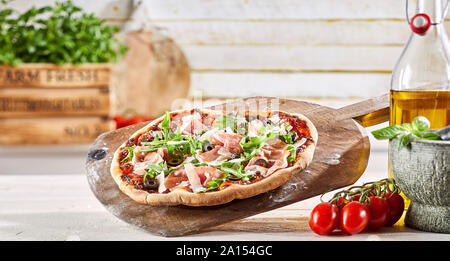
column 433, row 8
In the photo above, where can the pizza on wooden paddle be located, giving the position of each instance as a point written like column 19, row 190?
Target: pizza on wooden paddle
column 205, row 157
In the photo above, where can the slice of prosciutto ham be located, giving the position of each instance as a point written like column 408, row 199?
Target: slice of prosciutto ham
column 142, row 159
column 274, row 153
column 253, row 127
column 197, row 177
column 188, row 124
column 217, row 155
column 230, row 141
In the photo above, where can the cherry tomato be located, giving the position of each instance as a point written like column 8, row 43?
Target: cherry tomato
column 356, row 197
column 379, row 212
column 324, row 218
column 354, row 217
column 396, row 207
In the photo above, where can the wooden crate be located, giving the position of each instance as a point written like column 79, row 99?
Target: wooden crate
column 51, row 104
column 55, row 76
column 55, row 130
column 56, row 102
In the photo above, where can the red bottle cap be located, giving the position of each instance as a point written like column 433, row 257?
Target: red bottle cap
column 420, row 23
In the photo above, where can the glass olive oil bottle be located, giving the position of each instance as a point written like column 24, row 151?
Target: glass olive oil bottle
column 420, row 83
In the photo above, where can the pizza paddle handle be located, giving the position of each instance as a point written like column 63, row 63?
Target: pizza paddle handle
column 368, row 112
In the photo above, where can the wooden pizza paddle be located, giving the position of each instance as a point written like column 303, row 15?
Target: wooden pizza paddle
column 340, row 158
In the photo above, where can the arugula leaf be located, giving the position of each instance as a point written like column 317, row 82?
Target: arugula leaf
column 293, row 154
column 178, row 145
column 225, row 121
column 129, row 155
column 156, row 169
column 235, row 169
column 216, row 182
column 288, row 138
column 237, row 124
column 165, row 125
column 407, row 132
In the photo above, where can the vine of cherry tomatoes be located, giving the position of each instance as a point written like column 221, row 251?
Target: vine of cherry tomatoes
column 372, row 206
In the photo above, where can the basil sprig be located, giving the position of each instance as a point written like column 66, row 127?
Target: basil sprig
column 407, row 132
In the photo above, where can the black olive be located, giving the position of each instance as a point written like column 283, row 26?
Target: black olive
column 151, row 183
column 131, row 142
column 99, row 154
column 294, row 136
column 207, row 147
column 261, row 162
column 175, row 161
column 233, row 177
column 281, row 138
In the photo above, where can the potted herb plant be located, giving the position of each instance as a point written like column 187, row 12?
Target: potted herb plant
column 55, row 74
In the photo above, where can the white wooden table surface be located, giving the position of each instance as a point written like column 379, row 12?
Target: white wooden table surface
column 44, row 195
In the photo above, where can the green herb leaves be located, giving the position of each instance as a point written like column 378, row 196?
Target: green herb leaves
column 61, row 34
column 407, row 132
column 178, row 146
column 237, row 124
column 235, row 169
column 155, row 169
column 165, row 124
column 130, row 154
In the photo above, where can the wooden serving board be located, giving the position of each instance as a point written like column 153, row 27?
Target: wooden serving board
column 340, row 158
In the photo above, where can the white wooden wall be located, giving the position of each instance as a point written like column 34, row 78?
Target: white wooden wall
column 298, row 48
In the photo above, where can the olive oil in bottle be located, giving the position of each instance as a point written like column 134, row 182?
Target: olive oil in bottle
column 432, row 104
column 420, row 83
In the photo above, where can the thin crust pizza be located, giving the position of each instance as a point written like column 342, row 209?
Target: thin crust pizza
column 205, row 157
